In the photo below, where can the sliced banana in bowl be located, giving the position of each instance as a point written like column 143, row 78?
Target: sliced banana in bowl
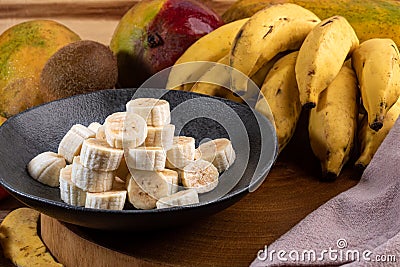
column 202, row 185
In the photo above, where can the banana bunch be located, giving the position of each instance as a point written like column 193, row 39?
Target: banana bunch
column 333, row 123
column 302, row 64
column 281, row 94
column 133, row 156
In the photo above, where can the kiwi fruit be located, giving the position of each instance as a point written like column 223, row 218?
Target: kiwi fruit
column 77, row 68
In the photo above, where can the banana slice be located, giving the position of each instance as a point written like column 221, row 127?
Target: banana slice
column 122, row 129
column 91, row 180
column 94, row 126
column 219, row 152
column 101, row 133
column 96, row 154
column 200, row 175
column 146, row 158
column 181, row 153
column 182, row 198
column 146, row 187
column 70, row 145
column 111, row 200
column 69, row 192
column 156, row 112
column 160, row 136
column 46, row 167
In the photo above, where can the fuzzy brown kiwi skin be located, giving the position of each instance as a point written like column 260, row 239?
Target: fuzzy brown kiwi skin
column 77, row 68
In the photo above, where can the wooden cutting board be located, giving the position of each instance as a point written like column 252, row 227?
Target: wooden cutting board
column 230, row 238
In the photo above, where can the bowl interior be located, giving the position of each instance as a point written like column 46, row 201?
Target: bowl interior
column 41, row 129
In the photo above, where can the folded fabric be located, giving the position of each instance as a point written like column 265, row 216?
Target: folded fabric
column 359, row 227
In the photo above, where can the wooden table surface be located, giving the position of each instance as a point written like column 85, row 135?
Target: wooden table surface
column 230, row 238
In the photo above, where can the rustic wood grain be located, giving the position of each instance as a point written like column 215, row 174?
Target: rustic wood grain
column 79, row 9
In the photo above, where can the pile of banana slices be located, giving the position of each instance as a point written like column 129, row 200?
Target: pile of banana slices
column 133, row 156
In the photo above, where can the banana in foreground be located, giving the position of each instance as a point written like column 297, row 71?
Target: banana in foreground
column 376, row 62
column 333, row 123
column 272, row 30
column 371, row 140
column 321, row 57
column 281, row 92
column 20, row 241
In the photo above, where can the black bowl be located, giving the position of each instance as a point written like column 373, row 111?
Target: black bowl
column 40, row 129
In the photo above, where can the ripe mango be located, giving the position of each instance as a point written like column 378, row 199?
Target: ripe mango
column 24, row 50
column 369, row 18
column 153, row 34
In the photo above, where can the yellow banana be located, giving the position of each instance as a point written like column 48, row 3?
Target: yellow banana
column 376, row 62
column 371, row 140
column 219, row 76
column 332, row 124
column 321, row 57
column 223, row 78
column 281, row 93
column 211, row 47
column 270, row 31
column 259, row 77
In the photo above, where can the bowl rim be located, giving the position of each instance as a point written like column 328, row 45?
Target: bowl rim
column 231, row 194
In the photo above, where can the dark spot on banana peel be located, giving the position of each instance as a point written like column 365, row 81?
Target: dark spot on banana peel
column 345, row 148
column 311, row 73
column 309, row 105
column 328, row 154
column 376, row 125
column 238, row 35
column 154, row 40
column 284, row 18
column 278, row 91
column 271, row 28
column 326, row 23
column 314, row 20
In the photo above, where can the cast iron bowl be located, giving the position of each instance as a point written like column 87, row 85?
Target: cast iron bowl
column 40, row 129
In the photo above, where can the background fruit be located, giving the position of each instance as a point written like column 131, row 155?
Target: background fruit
column 369, row 18
column 154, row 33
column 79, row 67
column 24, row 49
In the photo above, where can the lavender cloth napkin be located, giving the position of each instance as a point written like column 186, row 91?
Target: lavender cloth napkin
column 359, row 227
